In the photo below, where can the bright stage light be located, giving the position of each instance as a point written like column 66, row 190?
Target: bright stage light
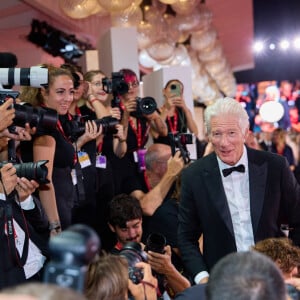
column 284, row 44
column 258, row 46
column 272, row 46
column 297, row 43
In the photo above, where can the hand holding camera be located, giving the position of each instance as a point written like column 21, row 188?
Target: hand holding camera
column 9, row 178
column 147, row 287
column 25, row 188
column 6, row 115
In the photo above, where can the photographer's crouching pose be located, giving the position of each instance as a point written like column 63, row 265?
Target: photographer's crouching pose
column 23, row 235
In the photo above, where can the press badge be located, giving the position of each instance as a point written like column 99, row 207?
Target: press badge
column 101, row 161
column 135, row 157
column 83, row 159
column 74, row 176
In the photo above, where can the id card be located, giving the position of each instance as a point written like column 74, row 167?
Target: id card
column 83, row 159
column 74, row 176
column 101, row 161
column 135, row 157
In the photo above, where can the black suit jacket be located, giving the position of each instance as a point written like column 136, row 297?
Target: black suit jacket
column 274, row 197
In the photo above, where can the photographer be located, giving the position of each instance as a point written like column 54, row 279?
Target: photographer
column 137, row 128
column 23, row 235
column 175, row 112
column 107, row 279
column 125, row 220
column 59, row 195
column 109, row 146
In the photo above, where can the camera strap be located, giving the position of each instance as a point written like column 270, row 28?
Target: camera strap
column 18, row 261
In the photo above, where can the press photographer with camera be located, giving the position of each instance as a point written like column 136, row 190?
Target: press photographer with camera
column 107, row 279
column 54, row 145
column 125, row 220
column 110, row 145
column 24, row 230
column 137, row 127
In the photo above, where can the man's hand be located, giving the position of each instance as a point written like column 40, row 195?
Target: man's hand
column 25, row 188
column 7, row 114
column 9, row 178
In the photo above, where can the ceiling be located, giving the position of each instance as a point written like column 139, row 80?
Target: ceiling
column 233, row 20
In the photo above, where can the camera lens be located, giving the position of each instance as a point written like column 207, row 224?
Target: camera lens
column 146, row 105
column 156, row 242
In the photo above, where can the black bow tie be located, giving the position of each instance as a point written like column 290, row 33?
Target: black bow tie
column 228, row 171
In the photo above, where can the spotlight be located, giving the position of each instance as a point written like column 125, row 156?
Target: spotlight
column 297, row 43
column 272, row 46
column 284, row 44
column 258, row 46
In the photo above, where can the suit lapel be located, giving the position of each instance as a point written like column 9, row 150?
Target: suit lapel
column 257, row 181
column 216, row 190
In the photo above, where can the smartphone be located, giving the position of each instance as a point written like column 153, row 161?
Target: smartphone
column 175, row 89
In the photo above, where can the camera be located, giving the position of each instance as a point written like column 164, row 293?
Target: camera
column 133, row 253
column 34, row 76
column 77, row 127
column 71, row 251
column 156, row 242
column 178, row 141
column 115, row 85
column 144, row 106
column 37, row 171
column 24, row 113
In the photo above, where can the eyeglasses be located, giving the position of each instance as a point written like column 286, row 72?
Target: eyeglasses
column 133, row 84
column 97, row 84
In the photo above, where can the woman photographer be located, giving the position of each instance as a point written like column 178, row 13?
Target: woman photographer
column 175, row 112
column 54, row 144
column 129, row 171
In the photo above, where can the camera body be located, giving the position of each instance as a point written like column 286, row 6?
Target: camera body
column 71, row 251
column 133, row 253
column 178, row 141
column 35, row 116
column 115, row 85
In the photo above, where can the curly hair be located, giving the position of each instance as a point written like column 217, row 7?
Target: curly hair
column 280, row 250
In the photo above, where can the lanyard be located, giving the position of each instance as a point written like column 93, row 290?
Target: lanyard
column 61, row 130
column 173, row 125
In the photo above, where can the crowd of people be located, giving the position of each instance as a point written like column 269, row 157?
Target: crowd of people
column 114, row 168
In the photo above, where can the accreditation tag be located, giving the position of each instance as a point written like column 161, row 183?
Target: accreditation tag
column 83, row 159
column 101, row 161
